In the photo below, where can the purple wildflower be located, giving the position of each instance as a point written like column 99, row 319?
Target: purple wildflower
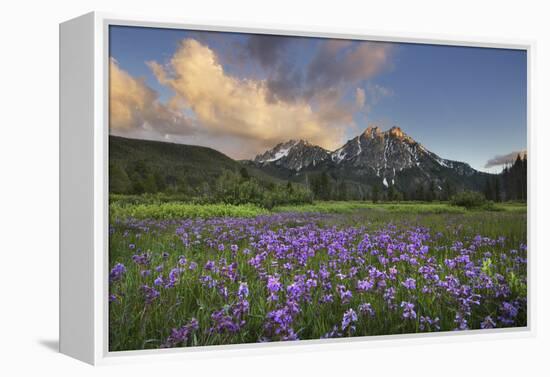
column 409, row 283
column 364, row 285
column 366, row 309
column 180, row 335
column 488, row 323
column 159, row 280
column 408, row 310
column 243, row 290
column 145, row 273
column 427, row 323
column 344, row 293
column 116, row 272
column 273, row 286
column 348, row 320
column 150, row 293
column 461, row 322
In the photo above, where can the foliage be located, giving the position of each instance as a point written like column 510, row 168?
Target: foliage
column 234, row 189
column 492, row 190
column 160, row 171
column 375, row 194
column 469, row 199
column 353, row 206
column 195, row 282
column 175, row 210
column 514, row 179
column 203, row 175
column 163, row 206
column 149, row 167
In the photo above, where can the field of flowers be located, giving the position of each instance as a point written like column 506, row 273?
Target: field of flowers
column 288, row 276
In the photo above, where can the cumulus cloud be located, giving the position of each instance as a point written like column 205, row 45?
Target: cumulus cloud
column 360, row 97
column 339, row 62
column 335, row 64
column 240, row 108
column 134, row 107
column 285, row 84
column 267, row 49
column 505, row 159
column 242, row 116
column 283, row 79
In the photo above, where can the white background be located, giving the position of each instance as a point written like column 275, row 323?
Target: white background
column 29, row 184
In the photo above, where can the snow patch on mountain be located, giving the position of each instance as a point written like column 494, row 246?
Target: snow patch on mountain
column 279, row 154
column 385, row 154
column 339, row 155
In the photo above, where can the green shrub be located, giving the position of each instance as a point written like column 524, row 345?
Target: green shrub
column 470, row 199
column 237, row 189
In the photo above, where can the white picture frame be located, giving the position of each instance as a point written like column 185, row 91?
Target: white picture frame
column 84, row 190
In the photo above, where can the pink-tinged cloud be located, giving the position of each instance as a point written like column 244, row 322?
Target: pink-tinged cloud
column 225, row 105
column 135, row 108
column 505, row 159
column 244, row 116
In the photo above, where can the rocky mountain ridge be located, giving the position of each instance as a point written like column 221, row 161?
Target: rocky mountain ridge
column 382, row 154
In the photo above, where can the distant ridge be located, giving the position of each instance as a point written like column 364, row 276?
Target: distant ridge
column 149, row 166
column 375, row 157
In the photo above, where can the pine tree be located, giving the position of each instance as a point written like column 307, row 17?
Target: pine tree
column 448, row 190
column 325, row 186
column 497, row 196
column 160, row 181
column 118, row 180
column 150, row 184
column 431, row 195
column 488, row 190
column 391, row 193
column 419, row 194
column 375, row 194
column 244, row 173
column 514, row 179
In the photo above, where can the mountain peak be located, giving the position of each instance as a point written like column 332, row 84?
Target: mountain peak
column 372, row 131
column 301, row 142
column 293, row 154
column 375, row 131
column 396, row 132
column 377, row 153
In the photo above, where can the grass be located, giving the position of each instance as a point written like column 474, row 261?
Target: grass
column 183, row 210
column 122, row 207
column 351, row 206
column 135, row 325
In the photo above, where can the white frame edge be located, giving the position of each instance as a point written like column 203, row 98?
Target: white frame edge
column 76, row 194
column 84, row 213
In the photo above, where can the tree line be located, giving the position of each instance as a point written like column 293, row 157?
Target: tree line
column 511, row 184
column 237, row 187
column 231, row 187
column 327, row 187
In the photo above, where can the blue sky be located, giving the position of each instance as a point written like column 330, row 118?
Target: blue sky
column 242, row 93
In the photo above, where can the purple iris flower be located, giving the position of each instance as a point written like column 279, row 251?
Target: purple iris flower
column 409, row 283
column 348, row 320
column 116, row 272
column 408, row 310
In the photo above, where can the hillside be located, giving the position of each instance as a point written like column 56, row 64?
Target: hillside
column 389, row 164
column 139, row 166
column 373, row 160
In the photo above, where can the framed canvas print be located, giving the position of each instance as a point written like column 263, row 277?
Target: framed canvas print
column 228, row 188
